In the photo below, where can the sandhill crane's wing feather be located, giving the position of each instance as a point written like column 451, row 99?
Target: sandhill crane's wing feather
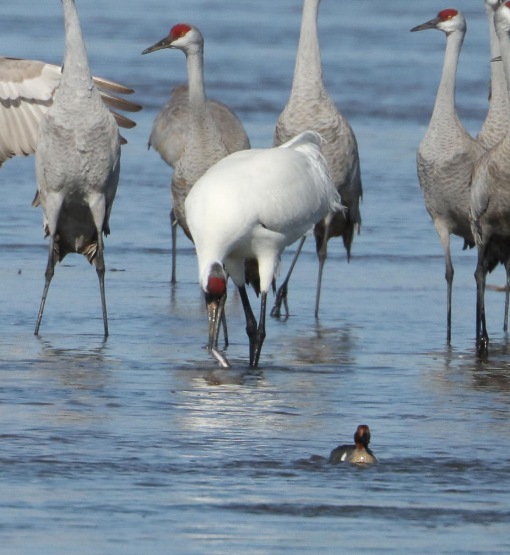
column 26, row 94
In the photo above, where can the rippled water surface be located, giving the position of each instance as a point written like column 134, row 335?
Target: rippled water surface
column 141, row 444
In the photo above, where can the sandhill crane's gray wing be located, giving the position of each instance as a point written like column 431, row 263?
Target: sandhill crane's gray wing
column 169, row 132
column 26, row 94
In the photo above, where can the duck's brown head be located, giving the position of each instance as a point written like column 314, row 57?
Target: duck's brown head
column 362, row 436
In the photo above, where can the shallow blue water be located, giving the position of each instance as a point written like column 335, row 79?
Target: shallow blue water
column 141, row 444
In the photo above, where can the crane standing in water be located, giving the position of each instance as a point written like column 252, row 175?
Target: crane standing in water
column 311, row 108
column 192, row 132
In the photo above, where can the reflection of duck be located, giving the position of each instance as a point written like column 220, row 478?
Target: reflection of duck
column 358, row 453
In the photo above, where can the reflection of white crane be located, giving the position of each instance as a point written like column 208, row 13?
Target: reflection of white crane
column 77, row 163
column 310, row 107
column 192, row 132
column 490, row 198
column 250, row 206
column 447, row 154
column 27, row 89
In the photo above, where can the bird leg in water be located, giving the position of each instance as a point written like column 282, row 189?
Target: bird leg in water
column 482, row 338
column 322, row 253
column 100, row 269
column 507, row 294
column 281, row 296
column 256, row 334
column 50, row 271
column 173, row 226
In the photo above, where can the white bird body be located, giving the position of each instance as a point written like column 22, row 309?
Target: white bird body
column 202, row 143
column 311, row 108
column 27, row 90
column 77, row 162
column 490, row 198
column 254, row 203
column 447, row 154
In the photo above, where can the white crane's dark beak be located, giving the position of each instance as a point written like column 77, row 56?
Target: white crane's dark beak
column 163, row 43
column 432, row 24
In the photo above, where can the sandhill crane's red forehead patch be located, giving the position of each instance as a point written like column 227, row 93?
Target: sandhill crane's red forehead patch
column 445, row 15
column 179, row 30
column 507, row 4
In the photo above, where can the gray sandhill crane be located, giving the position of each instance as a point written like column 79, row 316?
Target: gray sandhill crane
column 235, row 214
column 27, row 89
column 495, row 125
column 490, row 198
column 310, row 107
column 447, row 154
column 192, row 132
column 77, row 163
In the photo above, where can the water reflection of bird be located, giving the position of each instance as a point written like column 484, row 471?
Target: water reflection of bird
column 446, row 157
column 310, row 107
column 359, row 453
column 250, row 206
column 490, row 199
column 77, row 163
column 27, row 90
column 192, row 132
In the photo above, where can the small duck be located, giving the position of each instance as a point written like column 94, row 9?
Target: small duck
column 358, row 453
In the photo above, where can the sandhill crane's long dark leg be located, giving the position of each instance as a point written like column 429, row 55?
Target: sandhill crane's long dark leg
column 322, row 254
column 507, row 294
column 100, row 269
column 482, row 338
column 173, row 225
column 444, row 236
column 256, row 334
column 50, row 271
column 281, row 296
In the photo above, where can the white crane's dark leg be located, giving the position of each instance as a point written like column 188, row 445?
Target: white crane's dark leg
column 444, row 236
column 281, row 296
column 251, row 323
column 100, row 269
column 482, row 338
column 173, row 226
column 50, row 271
column 260, row 334
column 322, row 253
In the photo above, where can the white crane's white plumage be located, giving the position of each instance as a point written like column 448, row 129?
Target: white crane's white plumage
column 77, row 163
column 192, row 133
column 311, row 108
column 490, row 198
column 447, row 154
column 250, row 206
column 27, row 90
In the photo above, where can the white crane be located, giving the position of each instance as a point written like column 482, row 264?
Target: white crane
column 250, row 206
column 311, row 108
column 490, row 198
column 27, row 89
column 447, row 154
column 192, row 132
column 77, row 163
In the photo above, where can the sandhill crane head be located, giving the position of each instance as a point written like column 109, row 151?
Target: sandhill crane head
column 182, row 36
column 448, row 21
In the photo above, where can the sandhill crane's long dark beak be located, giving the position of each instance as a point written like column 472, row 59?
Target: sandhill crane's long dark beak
column 163, row 43
column 215, row 308
column 497, row 59
column 432, row 24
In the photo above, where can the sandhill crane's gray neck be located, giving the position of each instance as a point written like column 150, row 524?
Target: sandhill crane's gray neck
column 504, row 43
column 195, row 66
column 308, row 70
column 444, row 108
column 76, row 72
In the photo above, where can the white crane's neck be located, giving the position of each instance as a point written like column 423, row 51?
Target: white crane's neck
column 444, row 108
column 76, row 72
column 308, row 70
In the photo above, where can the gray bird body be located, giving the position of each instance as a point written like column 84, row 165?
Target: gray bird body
column 311, row 108
column 77, row 162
